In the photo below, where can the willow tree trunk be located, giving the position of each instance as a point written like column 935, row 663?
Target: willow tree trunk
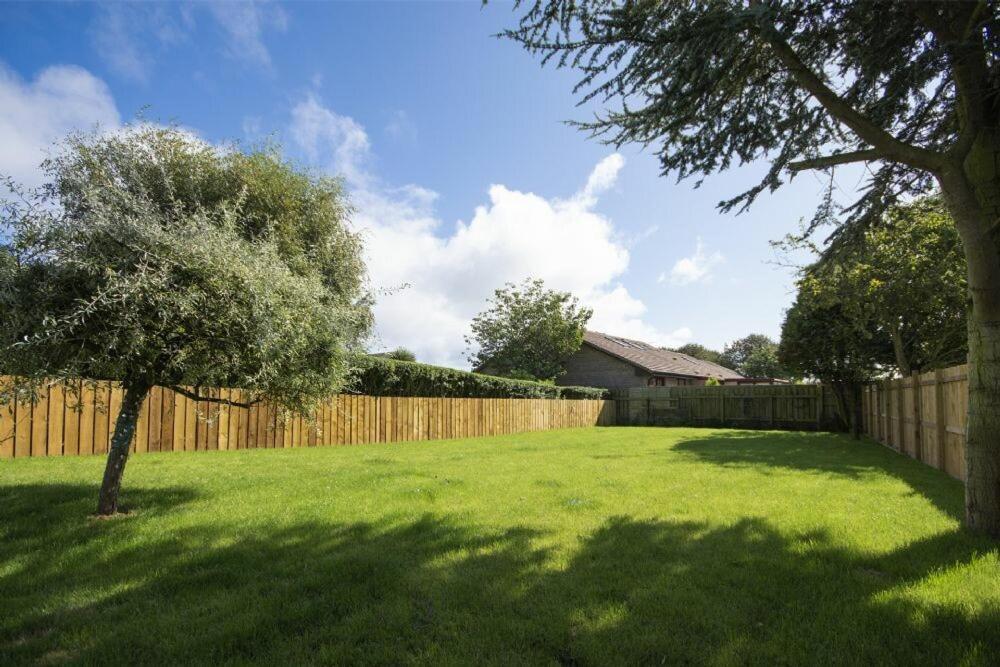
column 121, row 441
column 972, row 191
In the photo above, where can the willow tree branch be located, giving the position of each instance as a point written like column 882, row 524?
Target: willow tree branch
column 195, row 396
column 833, row 160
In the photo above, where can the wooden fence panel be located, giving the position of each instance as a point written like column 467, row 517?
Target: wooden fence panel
column 922, row 416
column 79, row 418
column 750, row 406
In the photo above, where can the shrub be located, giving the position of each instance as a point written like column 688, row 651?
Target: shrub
column 380, row 376
column 400, row 354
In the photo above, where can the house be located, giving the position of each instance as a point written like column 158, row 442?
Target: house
column 614, row 362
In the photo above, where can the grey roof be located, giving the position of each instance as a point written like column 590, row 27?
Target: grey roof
column 655, row 359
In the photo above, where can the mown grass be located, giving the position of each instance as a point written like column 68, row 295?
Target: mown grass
column 587, row 546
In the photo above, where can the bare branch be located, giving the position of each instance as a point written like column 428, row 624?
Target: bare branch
column 826, row 161
column 194, row 395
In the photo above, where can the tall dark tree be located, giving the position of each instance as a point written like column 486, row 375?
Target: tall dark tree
column 910, row 88
column 843, row 349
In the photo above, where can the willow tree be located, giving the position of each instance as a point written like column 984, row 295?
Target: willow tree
column 912, row 89
column 152, row 258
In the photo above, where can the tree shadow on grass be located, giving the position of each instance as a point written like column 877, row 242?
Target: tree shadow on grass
column 44, row 518
column 824, row 453
column 436, row 589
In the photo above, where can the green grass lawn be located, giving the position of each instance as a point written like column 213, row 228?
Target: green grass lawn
column 585, row 546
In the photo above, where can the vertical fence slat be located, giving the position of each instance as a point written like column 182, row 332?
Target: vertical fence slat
column 40, row 424
column 56, row 420
column 8, row 420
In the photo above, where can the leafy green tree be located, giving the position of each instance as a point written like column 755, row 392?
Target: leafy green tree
column 820, row 340
column 754, row 356
column 910, row 88
column 527, row 332
column 699, row 351
column 910, row 269
column 401, row 354
column 152, row 258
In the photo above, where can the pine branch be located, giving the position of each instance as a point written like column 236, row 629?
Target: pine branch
column 841, row 110
column 827, row 161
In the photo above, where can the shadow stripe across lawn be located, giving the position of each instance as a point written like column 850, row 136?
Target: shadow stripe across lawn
column 584, row 546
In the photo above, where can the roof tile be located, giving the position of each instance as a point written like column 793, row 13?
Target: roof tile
column 657, row 359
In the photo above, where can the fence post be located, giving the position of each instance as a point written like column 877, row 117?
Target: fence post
column 918, row 441
column 886, row 412
column 869, row 421
column 880, row 427
column 940, row 419
column 900, row 414
column 722, row 406
column 821, row 398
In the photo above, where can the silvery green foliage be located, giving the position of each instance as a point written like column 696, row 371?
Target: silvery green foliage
column 152, row 257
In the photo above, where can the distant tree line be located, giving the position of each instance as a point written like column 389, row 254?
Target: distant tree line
column 755, row 355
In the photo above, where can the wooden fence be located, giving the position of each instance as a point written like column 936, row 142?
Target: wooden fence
column 796, row 407
column 63, row 422
column 922, row 416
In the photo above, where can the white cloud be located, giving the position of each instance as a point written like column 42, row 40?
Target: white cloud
column 401, row 127
column 112, row 37
column 130, row 36
column 696, row 268
column 336, row 142
column 602, row 178
column 251, row 127
column 35, row 114
column 618, row 312
column 244, row 24
column 439, row 276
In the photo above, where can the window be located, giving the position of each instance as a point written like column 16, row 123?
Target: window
column 633, row 344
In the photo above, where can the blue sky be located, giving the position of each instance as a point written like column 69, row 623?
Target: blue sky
column 451, row 142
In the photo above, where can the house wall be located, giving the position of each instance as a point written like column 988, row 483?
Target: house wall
column 591, row 368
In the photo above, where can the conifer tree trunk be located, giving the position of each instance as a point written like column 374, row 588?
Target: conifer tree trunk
column 973, row 195
column 121, row 441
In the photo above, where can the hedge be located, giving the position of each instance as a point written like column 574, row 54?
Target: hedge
column 379, row 376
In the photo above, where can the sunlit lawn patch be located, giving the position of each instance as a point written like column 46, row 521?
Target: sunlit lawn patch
column 584, row 546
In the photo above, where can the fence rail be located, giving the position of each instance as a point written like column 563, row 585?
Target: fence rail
column 67, row 421
column 744, row 406
column 922, row 416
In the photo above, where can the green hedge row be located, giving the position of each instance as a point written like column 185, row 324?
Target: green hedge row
column 378, row 376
